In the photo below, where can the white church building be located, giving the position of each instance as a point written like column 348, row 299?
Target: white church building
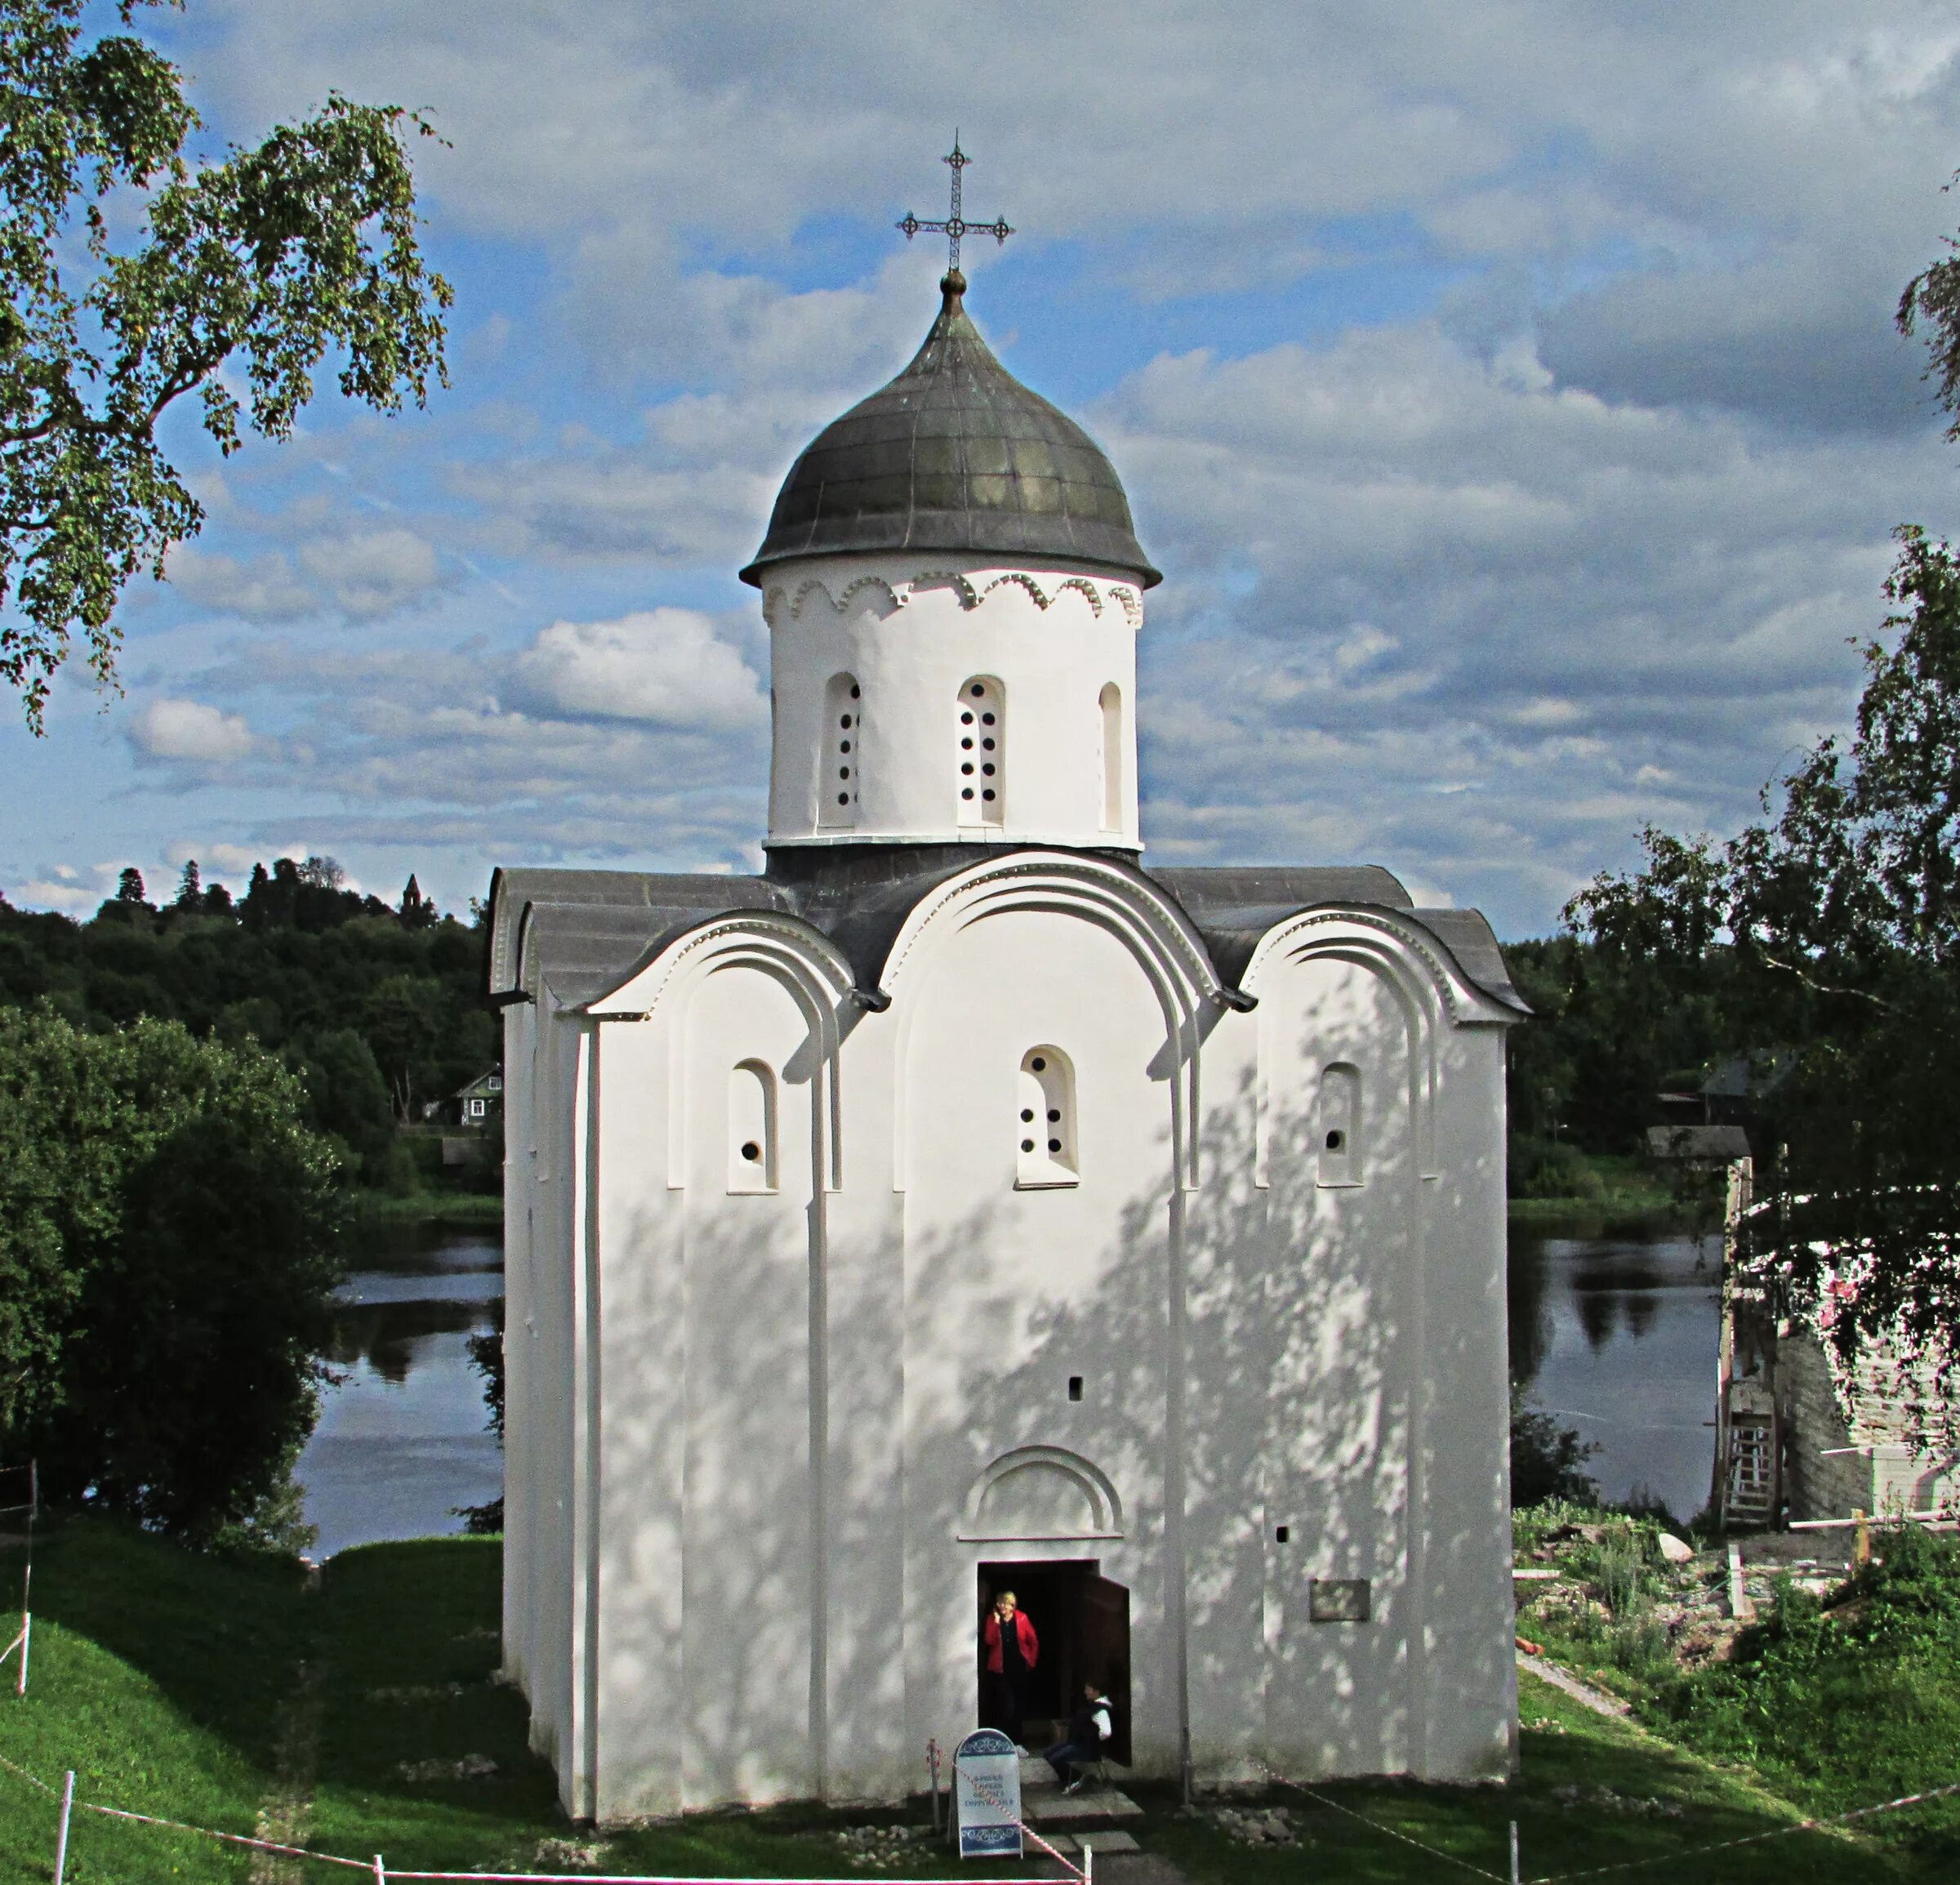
column 961, row 1204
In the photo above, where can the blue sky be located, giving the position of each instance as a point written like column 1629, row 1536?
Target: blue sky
column 1507, row 390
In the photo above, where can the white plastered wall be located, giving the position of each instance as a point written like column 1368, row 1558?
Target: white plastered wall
column 912, row 630
column 800, row 1390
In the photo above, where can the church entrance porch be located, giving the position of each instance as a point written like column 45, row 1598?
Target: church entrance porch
column 1081, row 1620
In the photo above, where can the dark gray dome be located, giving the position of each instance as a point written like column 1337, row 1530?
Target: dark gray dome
column 956, row 454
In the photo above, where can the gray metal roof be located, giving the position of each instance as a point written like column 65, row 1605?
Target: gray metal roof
column 590, row 930
column 956, row 454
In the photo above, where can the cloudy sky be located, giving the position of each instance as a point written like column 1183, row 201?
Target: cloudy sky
column 1507, row 388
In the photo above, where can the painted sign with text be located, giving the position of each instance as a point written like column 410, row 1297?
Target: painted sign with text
column 986, row 1794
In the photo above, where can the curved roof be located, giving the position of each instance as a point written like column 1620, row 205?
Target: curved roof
column 956, row 454
column 594, row 929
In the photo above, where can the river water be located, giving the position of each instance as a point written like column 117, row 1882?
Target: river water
column 1616, row 1337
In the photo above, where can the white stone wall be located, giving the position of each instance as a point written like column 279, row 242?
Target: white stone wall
column 801, row 1391
column 913, row 631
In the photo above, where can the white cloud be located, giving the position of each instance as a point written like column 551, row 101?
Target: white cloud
column 372, row 573
column 664, row 666
column 362, row 574
column 190, row 730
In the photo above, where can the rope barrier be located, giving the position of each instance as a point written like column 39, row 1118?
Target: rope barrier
column 377, row 1868
column 982, row 1787
column 1757, row 1838
column 1434, row 1851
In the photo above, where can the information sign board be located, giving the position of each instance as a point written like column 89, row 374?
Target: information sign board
column 986, row 1792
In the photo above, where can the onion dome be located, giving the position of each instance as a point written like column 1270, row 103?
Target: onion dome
column 956, row 454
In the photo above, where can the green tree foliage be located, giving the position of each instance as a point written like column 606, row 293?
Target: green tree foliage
column 377, row 1014
column 1547, row 1459
column 1832, row 931
column 166, row 1227
column 262, row 262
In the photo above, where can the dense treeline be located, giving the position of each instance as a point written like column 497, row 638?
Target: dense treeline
column 376, row 1007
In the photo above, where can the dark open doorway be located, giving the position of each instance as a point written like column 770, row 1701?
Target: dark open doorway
column 1082, row 1619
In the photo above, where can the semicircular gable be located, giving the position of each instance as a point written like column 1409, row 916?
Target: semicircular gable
column 1037, row 1493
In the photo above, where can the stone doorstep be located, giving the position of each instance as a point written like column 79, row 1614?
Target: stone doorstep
column 1097, row 1842
column 1059, row 1808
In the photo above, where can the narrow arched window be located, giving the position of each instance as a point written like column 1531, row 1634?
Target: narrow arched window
column 1337, row 1126
column 982, row 751
column 1044, row 1124
column 1111, row 704
column 751, row 1127
column 843, row 751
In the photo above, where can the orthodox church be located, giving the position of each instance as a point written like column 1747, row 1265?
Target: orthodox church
column 960, row 1205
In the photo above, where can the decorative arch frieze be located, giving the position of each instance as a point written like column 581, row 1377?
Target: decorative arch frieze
column 796, row 955
column 779, row 600
column 1156, row 935
column 1425, row 989
column 1021, row 579
column 1037, row 1493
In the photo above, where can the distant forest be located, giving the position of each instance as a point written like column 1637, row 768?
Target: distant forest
column 377, row 1007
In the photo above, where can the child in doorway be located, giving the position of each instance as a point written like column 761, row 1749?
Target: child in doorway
column 1088, row 1731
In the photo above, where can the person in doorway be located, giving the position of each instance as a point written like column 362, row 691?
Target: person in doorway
column 1012, row 1649
column 1089, row 1732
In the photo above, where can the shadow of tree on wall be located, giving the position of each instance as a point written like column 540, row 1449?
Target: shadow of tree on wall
column 1301, row 1388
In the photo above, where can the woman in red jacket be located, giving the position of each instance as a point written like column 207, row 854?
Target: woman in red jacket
column 1012, row 1649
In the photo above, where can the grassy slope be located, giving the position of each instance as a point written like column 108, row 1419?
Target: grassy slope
column 161, row 1678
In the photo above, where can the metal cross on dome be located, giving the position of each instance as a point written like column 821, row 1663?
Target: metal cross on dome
column 955, row 225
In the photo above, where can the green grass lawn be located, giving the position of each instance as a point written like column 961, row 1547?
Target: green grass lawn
column 168, row 1682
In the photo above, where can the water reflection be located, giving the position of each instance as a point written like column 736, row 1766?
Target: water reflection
column 401, row 1440
column 1617, row 1338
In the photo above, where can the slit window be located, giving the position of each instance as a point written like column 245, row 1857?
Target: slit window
column 980, row 751
column 1337, row 1126
column 1112, row 711
column 1045, row 1121
column 843, row 751
column 752, row 1127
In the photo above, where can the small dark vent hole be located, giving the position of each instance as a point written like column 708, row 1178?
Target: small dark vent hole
column 1075, row 1386
column 1336, row 1139
column 1028, row 1145
column 751, row 1152
column 1281, row 1533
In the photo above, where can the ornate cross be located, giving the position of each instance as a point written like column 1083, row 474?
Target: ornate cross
column 955, row 225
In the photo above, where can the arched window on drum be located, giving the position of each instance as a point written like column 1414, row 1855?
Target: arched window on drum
column 1045, row 1125
column 981, row 744
column 1111, row 708
column 843, row 751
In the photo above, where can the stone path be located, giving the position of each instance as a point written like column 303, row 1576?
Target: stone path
column 286, row 1813
column 1584, row 1693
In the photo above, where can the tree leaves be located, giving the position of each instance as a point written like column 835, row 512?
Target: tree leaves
column 1831, row 934
column 268, row 260
column 166, row 1259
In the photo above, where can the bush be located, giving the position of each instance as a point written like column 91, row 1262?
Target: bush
column 1546, row 1459
column 166, row 1263
column 1854, row 1703
column 1545, row 1168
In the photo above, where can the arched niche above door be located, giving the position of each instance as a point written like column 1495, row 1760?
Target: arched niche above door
column 1037, row 1493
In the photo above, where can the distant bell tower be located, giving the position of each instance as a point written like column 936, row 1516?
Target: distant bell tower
column 953, row 586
